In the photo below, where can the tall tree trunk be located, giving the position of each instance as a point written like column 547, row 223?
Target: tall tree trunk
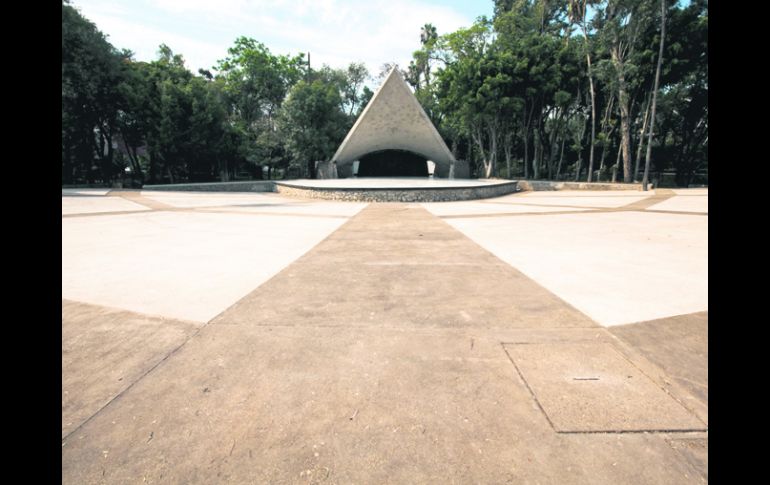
column 526, row 155
column 601, row 162
column 641, row 140
column 580, row 151
column 107, row 162
column 527, row 124
column 561, row 156
column 492, row 130
column 605, row 130
column 479, row 139
column 469, row 148
column 617, row 164
column 311, row 169
column 536, row 147
column 507, row 149
column 593, row 99
column 553, row 143
column 537, row 140
column 133, row 159
column 625, row 125
column 645, row 178
column 223, row 171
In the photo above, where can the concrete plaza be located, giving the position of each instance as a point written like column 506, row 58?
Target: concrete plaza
column 539, row 337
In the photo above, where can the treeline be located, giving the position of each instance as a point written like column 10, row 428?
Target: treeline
column 156, row 122
column 566, row 90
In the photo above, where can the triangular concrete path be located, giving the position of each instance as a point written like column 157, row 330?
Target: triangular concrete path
column 395, row 351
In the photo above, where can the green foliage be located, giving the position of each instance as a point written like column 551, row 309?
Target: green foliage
column 92, row 70
column 512, row 89
column 312, row 122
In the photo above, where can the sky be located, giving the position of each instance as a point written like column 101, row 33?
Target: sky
column 335, row 32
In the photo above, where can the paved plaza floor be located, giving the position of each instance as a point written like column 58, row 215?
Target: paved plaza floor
column 540, row 337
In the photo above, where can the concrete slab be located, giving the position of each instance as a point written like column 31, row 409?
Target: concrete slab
column 696, row 451
column 616, row 267
column 491, row 206
column 85, row 192
column 96, row 204
column 582, row 198
column 375, row 357
column 215, row 199
column 181, row 265
column 310, row 404
column 590, row 387
column 413, row 269
column 105, row 351
column 684, row 203
column 263, row 203
column 679, row 345
column 694, row 191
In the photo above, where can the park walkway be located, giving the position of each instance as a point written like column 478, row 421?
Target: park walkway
column 397, row 350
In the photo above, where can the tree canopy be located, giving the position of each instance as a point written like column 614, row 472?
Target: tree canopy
column 545, row 89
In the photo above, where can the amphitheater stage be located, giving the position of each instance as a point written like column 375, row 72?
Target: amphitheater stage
column 399, row 189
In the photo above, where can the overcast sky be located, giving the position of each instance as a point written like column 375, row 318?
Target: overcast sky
column 335, row 32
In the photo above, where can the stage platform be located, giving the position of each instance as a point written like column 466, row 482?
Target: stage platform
column 401, row 189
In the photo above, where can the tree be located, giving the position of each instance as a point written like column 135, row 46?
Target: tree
column 578, row 15
column 355, row 90
column 92, row 71
column 683, row 104
column 512, row 88
column 312, row 123
column 256, row 82
column 621, row 22
column 471, row 101
column 428, row 37
column 655, row 92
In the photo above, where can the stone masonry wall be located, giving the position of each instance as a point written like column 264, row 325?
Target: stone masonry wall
column 442, row 194
column 244, row 186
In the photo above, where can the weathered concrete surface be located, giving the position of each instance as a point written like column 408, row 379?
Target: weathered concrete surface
column 258, row 204
column 395, row 373
column 590, row 387
column 695, row 450
column 394, row 264
column 104, row 351
column 692, row 200
column 71, row 191
column 618, row 264
column 187, row 264
column 91, row 203
column 339, row 405
column 679, row 345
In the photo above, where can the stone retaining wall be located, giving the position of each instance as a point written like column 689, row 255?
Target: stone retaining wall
column 551, row 185
column 427, row 194
column 242, row 186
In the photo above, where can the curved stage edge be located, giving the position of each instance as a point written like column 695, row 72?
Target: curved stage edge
column 396, row 189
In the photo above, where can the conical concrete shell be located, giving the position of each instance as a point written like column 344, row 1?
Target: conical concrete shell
column 393, row 120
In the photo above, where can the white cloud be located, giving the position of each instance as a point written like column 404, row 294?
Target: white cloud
column 144, row 42
column 335, row 32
